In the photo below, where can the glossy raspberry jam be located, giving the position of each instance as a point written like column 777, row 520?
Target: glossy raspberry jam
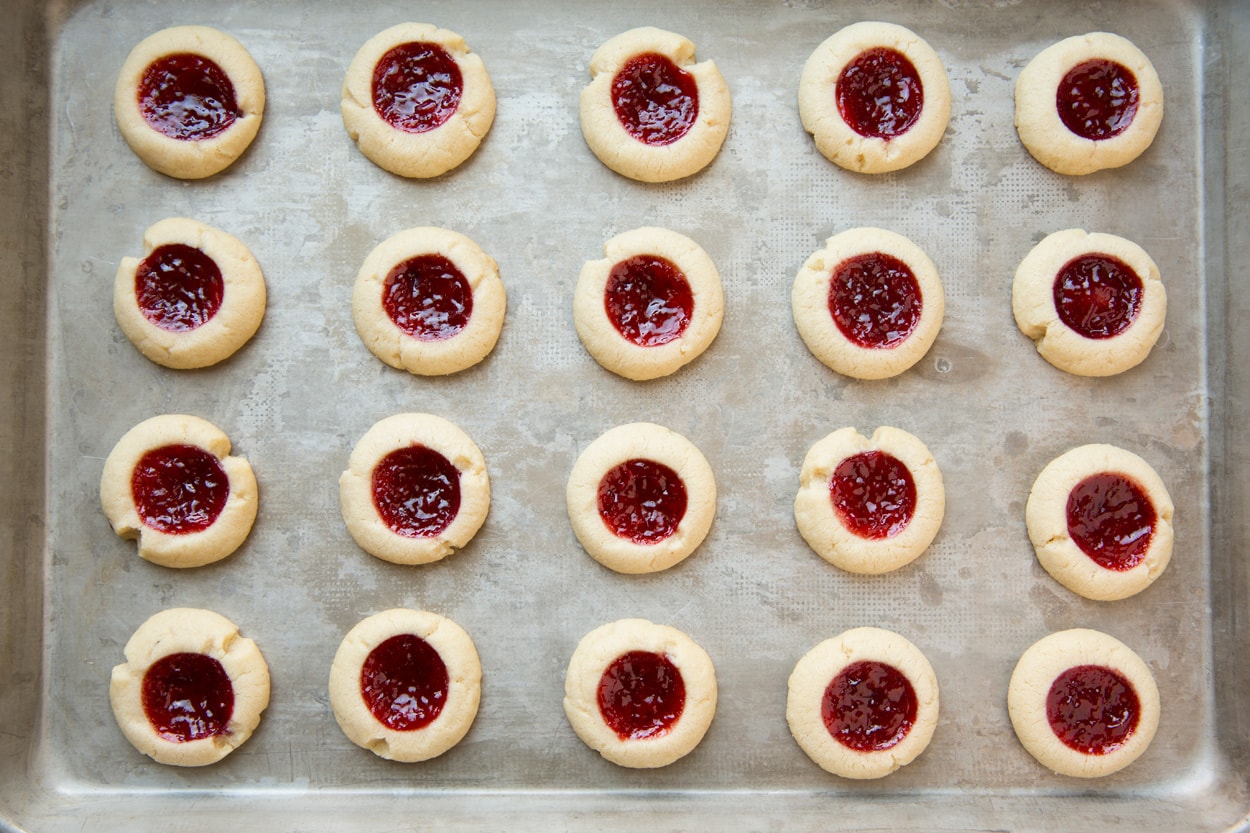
column 879, row 94
column 642, row 501
column 874, row 494
column 641, row 695
column 875, row 300
column 1097, row 295
column 404, row 683
column 179, row 489
column 1111, row 519
column 648, row 300
column 417, row 87
column 428, row 298
column 869, row 706
column 1097, row 99
column 179, row 288
column 655, row 100
column 187, row 97
column 187, row 696
column 1092, row 709
column 416, row 491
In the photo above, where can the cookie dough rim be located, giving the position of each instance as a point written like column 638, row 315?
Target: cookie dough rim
column 1059, row 555
column 194, row 549
column 599, row 648
column 189, row 630
column 464, row 685
column 640, row 440
column 433, row 152
column 836, row 140
column 823, row 530
column 612, row 144
column 809, row 301
column 396, row 348
column 1037, row 669
column 1033, row 305
column 1048, row 139
column 181, row 158
column 605, row 343
column 360, row 515
column 813, row 674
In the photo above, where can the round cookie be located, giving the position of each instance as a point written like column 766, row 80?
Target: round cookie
column 642, row 695
column 869, row 505
column 869, row 304
column 650, row 113
column 653, row 305
column 170, row 483
column 191, row 690
column 195, row 297
column 875, row 97
column 641, row 498
column 1093, row 302
column 415, row 489
column 1082, row 703
column 1087, row 103
column 863, row 703
column 189, row 101
column 405, row 684
column 429, row 301
column 416, row 101
column 1100, row 520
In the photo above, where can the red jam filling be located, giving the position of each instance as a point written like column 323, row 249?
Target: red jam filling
column 187, row 697
column 416, row 491
column 869, row 706
column 404, row 683
column 428, row 298
column 1092, row 709
column 874, row 494
column 655, row 100
column 641, row 695
column 178, row 287
column 879, row 94
column 179, row 489
column 875, row 300
column 1097, row 295
column 1111, row 519
column 648, row 300
column 642, row 501
column 1097, row 99
column 417, row 87
column 187, row 97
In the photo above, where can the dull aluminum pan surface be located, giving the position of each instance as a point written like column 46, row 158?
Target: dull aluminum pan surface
column 296, row 399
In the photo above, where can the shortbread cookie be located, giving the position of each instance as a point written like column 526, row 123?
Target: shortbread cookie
column 869, row 304
column 642, row 695
column 191, row 690
column 869, row 505
column 416, row 101
column 415, row 489
column 875, row 97
column 1094, row 303
column 1087, row 103
column 188, row 101
column 1082, row 703
column 405, row 684
column 650, row 113
column 641, row 498
column 1100, row 520
column 195, row 297
column 429, row 301
column 170, row 483
column 863, row 703
column 653, row 305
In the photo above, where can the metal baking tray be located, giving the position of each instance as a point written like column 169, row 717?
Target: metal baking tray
column 76, row 200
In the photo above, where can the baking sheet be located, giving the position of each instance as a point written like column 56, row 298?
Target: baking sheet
column 296, row 399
